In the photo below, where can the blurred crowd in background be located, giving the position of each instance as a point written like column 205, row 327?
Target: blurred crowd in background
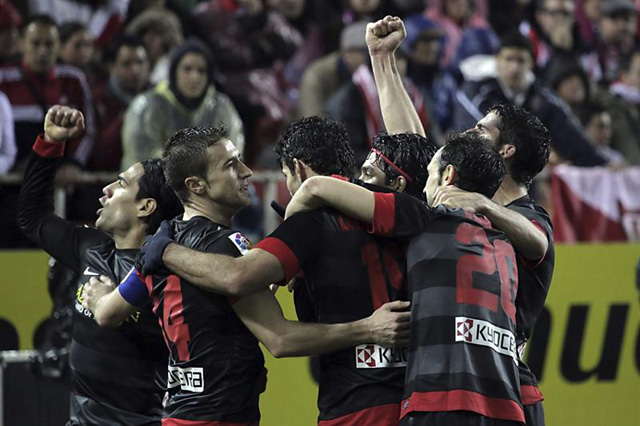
column 139, row 70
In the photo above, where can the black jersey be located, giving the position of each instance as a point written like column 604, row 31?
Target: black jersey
column 216, row 368
column 534, row 281
column 349, row 273
column 462, row 278
column 114, row 371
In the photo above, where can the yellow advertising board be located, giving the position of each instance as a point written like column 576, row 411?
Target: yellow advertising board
column 586, row 346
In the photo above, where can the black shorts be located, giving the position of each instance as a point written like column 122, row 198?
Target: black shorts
column 451, row 418
column 534, row 414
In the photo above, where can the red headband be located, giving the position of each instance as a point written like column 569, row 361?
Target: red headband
column 393, row 166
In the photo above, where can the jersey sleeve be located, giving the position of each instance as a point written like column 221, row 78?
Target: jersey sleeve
column 229, row 243
column 61, row 239
column 400, row 215
column 541, row 220
column 134, row 290
column 295, row 242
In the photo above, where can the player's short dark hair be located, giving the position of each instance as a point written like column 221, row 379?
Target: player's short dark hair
column 153, row 185
column 516, row 40
column 40, row 19
column 125, row 40
column 479, row 166
column 68, row 29
column 321, row 143
column 410, row 152
column 531, row 138
column 185, row 154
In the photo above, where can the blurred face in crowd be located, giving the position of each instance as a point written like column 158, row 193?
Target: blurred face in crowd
column 631, row 77
column 191, row 75
column 619, row 28
column 599, row 128
column 364, row 7
column 592, row 9
column 154, row 43
column 9, row 38
column 40, row 47
column 425, row 52
column 353, row 58
column 252, row 7
column 131, row 68
column 556, row 13
column 512, row 64
column 290, row 9
column 572, row 90
column 458, row 10
column 78, row 50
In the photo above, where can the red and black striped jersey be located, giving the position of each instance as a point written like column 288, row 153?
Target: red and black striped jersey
column 534, row 280
column 216, row 368
column 462, row 278
column 117, row 375
column 349, row 273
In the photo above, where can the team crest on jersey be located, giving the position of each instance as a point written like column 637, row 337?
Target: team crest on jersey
column 376, row 356
column 240, row 241
column 483, row 333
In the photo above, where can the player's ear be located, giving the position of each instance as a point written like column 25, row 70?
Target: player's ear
column 401, row 184
column 300, row 169
column 195, row 184
column 449, row 175
column 507, row 150
column 146, row 207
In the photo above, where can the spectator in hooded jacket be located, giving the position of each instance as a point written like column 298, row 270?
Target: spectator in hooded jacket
column 187, row 99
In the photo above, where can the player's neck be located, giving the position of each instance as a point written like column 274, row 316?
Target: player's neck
column 208, row 209
column 509, row 191
column 131, row 238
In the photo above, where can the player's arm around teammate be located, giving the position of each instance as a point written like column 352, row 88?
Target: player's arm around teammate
column 261, row 313
column 526, row 238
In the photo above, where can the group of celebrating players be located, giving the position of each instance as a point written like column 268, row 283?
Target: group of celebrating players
column 475, row 261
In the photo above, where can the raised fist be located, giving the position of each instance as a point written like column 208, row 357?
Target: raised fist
column 384, row 36
column 62, row 123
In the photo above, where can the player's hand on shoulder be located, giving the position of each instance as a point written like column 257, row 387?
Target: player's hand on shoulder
column 149, row 260
column 454, row 197
column 62, row 123
column 95, row 289
column 389, row 324
column 384, row 36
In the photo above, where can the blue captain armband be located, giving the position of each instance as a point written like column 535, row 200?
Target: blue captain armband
column 133, row 289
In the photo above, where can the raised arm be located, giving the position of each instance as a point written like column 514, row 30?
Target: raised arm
column 321, row 191
column 383, row 38
column 526, row 238
column 261, row 313
column 61, row 239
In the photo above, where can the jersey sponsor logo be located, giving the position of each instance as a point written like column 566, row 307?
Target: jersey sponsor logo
column 240, row 241
column 483, row 333
column 376, row 356
column 189, row 379
column 88, row 271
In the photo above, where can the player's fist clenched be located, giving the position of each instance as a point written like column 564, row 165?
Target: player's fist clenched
column 384, row 36
column 62, row 123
